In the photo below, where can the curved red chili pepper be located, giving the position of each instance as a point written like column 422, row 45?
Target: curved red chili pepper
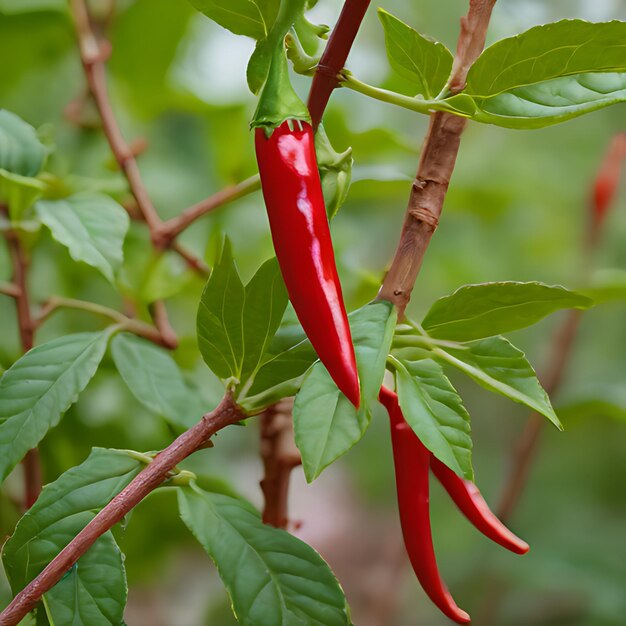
column 468, row 498
column 411, row 460
column 295, row 207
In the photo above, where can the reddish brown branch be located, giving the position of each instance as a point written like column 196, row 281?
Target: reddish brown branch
column 436, row 166
column 169, row 230
column 147, row 481
column 333, row 59
column 527, row 445
column 31, row 464
column 280, row 456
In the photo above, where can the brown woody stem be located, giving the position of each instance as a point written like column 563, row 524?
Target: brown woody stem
column 144, row 483
column 436, row 166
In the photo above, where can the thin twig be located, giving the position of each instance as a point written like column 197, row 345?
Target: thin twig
column 9, row 289
column 162, row 337
column 31, row 464
column 144, row 483
column 170, row 229
column 280, row 456
column 334, row 57
column 437, row 163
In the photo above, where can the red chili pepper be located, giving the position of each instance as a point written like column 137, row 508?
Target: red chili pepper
column 300, row 232
column 607, row 181
column 412, row 460
column 468, row 498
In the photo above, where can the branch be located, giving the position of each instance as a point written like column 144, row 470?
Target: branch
column 437, row 163
column 9, row 289
column 93, row 55
column 163, row 336
column 170, row 229
column 334, row 57
column 280, row 456
column 31, row 464
column 148, row 480
column 527, row 445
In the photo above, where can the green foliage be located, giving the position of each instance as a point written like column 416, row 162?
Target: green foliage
column 21, row 152
column 235, row 323
column 434, row 410
column 476, row 311
column 156, row 381
column 91, row 226
column 38, row 388
column 252, row 18
column 271, row 577
column 500, row 367
column 326, row 423
column 424, row 62
column 93, row 592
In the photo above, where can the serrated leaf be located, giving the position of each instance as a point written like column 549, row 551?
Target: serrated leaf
column 270, row 576
column 500, row 367
column 549, row 74
column 488, row 309
column 326, row 423
column 548, row 51
column 421, row 60
column 93, row 592
column 21, row 152
column 252, row 18
column 434, row 410
column 220, row 318
column 91, row 226
column 38, row 388
column 154, row 378
column 265, row 304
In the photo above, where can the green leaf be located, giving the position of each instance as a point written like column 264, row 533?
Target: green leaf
column 488, row 309
column 252, row 18
column 38, row 388
column 326, row 423
column 154, row 378
column 93, row 592
column 19, row 192
column 547, row 103
column 265, row 304
column 166, row 277
column 91, row 226
column 220, row 318
column 270, row 576
column 21, row 152
column 435, row 412
column 564, row 48
column 549, row 74
column 424, row 62
column 500, row 367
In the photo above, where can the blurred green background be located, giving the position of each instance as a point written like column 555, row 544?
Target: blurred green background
column 516, row 210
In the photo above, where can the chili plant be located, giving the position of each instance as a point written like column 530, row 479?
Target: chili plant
column 279, row 341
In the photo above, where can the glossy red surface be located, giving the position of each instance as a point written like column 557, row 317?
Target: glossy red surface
column 412, row 460
column 468, row 498
column 301, row 235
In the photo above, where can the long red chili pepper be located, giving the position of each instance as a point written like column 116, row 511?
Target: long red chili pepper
column 295, row 206
column 468, row 498
column 412, row 460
